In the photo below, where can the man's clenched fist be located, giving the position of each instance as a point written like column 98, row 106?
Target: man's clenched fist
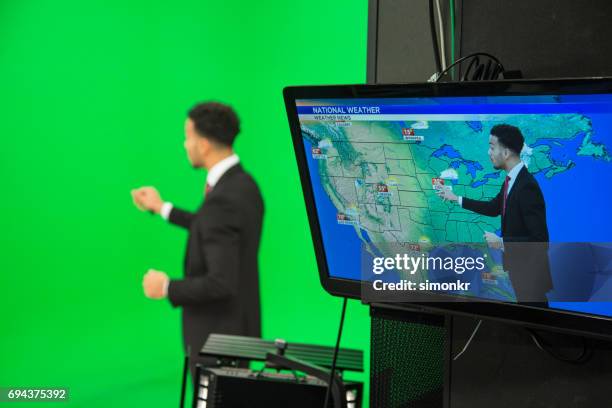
column 147, row 199
column 155, row 284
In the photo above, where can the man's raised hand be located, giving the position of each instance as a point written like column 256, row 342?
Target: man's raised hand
column 147, row 199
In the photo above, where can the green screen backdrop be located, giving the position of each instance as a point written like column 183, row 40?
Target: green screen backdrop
column 93, row 99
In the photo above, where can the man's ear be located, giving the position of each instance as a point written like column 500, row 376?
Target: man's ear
column 204, row 145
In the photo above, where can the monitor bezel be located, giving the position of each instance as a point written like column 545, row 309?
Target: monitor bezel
column 543, row 318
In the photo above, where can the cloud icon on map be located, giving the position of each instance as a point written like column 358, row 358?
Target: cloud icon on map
column 422, row 124
column 449, row 174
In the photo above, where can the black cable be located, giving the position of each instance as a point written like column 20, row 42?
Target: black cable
column 453, row 32
column 434, row 36
column 460, row 50
column 480, row 70
column 184, row 382
column 333, row 367
column 582, row 358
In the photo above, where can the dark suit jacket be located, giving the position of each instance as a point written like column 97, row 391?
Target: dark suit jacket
column 220, row 290
column 524, row 222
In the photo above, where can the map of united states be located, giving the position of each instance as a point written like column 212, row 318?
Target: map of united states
column 379, row 174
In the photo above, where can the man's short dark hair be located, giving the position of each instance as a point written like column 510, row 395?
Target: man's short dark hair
column 509, row 136
column 215, row 121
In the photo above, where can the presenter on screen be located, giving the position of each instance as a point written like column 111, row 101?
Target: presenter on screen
column 219, row 292
column 521, row 205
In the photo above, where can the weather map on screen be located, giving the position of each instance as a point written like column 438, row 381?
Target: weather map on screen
column 377, row 165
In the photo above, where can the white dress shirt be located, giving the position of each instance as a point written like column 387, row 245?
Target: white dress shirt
column 212, row 178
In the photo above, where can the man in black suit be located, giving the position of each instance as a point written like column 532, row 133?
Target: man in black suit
column 220, row 290
column 523, row 217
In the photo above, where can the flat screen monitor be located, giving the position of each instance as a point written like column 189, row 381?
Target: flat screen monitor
column 508, row 181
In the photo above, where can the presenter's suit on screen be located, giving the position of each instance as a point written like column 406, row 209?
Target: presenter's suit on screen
column 525, row 236
column 220, row 290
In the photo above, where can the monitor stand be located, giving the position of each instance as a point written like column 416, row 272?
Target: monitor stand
column 412, row 364
column 504, row 364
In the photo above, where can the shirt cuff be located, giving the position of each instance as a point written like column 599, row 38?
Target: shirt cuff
column 460, row 201
column 165, row 288
column 165, row 210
